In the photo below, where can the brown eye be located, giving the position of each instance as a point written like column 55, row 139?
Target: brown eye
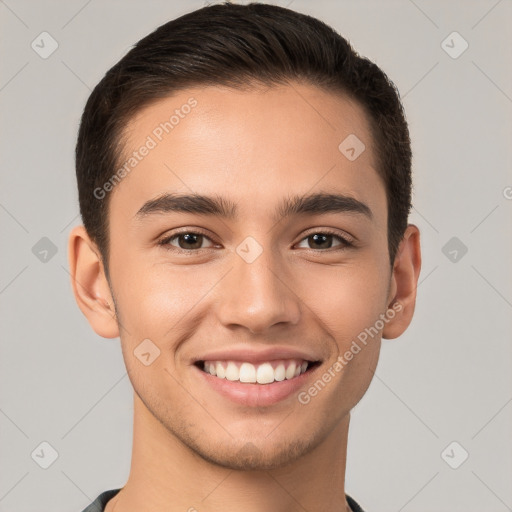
column 324, row 240
column 187, row 241
column 190, row 241
column 321, row 241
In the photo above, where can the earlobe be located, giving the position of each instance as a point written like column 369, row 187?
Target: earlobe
column 90, row 285
column 404, row 282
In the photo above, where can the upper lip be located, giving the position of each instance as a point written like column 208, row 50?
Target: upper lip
column 256, row 356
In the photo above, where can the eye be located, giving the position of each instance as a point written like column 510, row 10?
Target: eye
column 187, row 241
column 323, row 240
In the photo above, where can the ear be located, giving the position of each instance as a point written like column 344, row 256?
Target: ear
column 90, row 285
column 404, row 282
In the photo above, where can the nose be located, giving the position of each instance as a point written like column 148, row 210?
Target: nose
column 258, row 296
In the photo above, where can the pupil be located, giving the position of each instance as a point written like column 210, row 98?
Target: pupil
column 187, row 236
column 316, row 237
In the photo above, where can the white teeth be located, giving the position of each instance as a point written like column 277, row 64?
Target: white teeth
column 232, row 372
column 247, row 373
column 280, row 373
column 221, row 372
column 290, row 371
column 264, row 373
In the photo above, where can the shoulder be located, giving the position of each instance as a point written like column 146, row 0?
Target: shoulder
column 353, row 504
column 98, row 505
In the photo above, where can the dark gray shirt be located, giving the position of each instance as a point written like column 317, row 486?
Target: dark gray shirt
column 98, row 505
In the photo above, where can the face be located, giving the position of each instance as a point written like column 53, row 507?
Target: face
column 261, row 285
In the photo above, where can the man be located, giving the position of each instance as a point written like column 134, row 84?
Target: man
column 244, row 183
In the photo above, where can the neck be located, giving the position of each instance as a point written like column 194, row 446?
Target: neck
column 167, row 475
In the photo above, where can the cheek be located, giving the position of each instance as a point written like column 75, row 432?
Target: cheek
column 354, row 301
column 347, row 298
column 157, row 301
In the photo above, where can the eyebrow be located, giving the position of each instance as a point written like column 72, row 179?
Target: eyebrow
column 219, row 206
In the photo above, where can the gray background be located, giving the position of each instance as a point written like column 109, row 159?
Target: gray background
column 448, row 378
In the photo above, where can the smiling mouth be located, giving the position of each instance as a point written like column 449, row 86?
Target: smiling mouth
column 263, row 373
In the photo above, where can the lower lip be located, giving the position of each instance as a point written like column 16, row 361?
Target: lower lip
column 257, row 395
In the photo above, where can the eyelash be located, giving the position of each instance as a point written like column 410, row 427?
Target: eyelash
column 346, row 242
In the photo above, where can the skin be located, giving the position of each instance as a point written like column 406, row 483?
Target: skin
column 254, row 147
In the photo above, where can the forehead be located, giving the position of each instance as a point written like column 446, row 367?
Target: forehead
column 253, row 146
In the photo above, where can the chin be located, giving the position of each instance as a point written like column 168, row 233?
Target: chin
column 250, row 457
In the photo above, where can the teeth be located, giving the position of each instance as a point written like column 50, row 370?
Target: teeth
column 290, row 371
column 264, row 373
column 247, row 373
column 221, row 372
column 232, row 372
column 280, row 372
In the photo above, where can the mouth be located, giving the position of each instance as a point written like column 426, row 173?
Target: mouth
column 261, row 374
column 255, row 378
